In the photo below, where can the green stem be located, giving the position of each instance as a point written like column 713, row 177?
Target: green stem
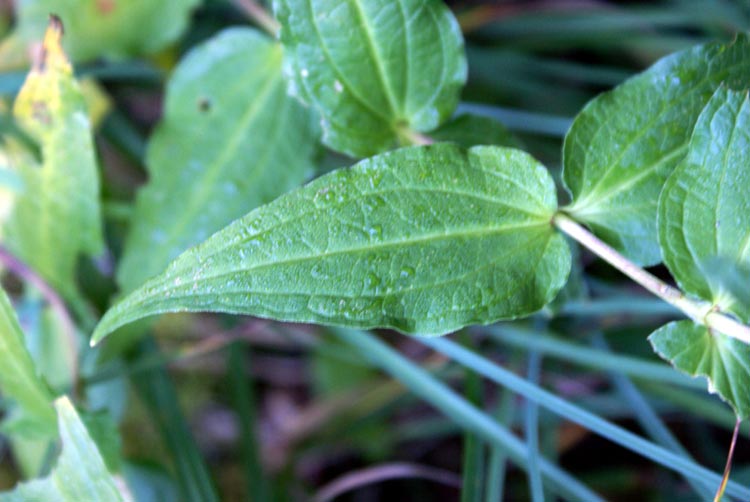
column 728, row 467
column 699, row 311
column 258, row 14
column 411, row 137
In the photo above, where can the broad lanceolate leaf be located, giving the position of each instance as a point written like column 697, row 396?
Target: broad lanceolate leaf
column 697, row 351
column 19, row 380
column 80, row 473
column 57, row 216
column 625, row 143
column 230, row 141
column 704, row 209
column 109, row 28
column 424, row 240
column 374, row 69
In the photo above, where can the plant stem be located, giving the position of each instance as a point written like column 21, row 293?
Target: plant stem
column 56, row 303
column 258, row 14
column 414, row 137
column 728, row 467
column 699, row 311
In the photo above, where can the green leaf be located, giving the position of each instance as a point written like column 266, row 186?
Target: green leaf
column 470, row 130
column 374, row 69
column 108, row 28
column 424, row 240
column 625, row 143
column 697, row 351
column 80, row 473
column 58, row 215
column 230, row 141
column 704, row 209
column 19, row 380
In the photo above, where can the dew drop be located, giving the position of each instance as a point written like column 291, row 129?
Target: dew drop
column 338, row 87
column 406, row 272
column 304, row 73
column 375, row 231
column 375, row 179
column 372, row 281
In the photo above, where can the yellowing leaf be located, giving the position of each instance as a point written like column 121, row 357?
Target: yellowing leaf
column 58, row 215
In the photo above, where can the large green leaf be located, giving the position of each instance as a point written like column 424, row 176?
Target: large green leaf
column 57, row 216
column 697, row 351
column 374, row 69
column 704, row 209
column 109, row 28
column 80, row 473
column 230, row 141
column 424, row 240
column 625, row 143
column 19, row 380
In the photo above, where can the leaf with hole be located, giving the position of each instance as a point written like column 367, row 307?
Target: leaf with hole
column 424, row 240
column 625, row 143
column 230, row 134
column 374, row 69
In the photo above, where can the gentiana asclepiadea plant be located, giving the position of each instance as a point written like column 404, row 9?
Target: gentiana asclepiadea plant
column 428, row 239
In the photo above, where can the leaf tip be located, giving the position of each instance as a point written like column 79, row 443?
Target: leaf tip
column 52, row 52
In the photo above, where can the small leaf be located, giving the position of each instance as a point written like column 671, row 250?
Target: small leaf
column 58, row 215
column 80, row 473
column 625, row 143
column 704, row 209
column 697, row 351
column 19, row 381
column 471, row 130
column 374, row 69
column 108, row 28
column 230, row 141
column 424, row 240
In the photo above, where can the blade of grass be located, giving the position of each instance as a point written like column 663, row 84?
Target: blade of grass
column 519, row 120
column 620, row 306
column 159, row 395
column 496, row 470
column 580, row 416
column 461, row 411
column 548, row 345
column 472, row 469
column 648, row 419
column 243, row 398
column 531, row 430
column 699, row 404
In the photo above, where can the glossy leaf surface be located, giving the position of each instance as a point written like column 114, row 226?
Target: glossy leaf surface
column 725, row 361
column 625, row 143
column 704, row 209
column 231, row 140
column 108, row 28
column 424, row 240
column 19, row 381
column 80, row 473
column 373, row 68
column 57, row 216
